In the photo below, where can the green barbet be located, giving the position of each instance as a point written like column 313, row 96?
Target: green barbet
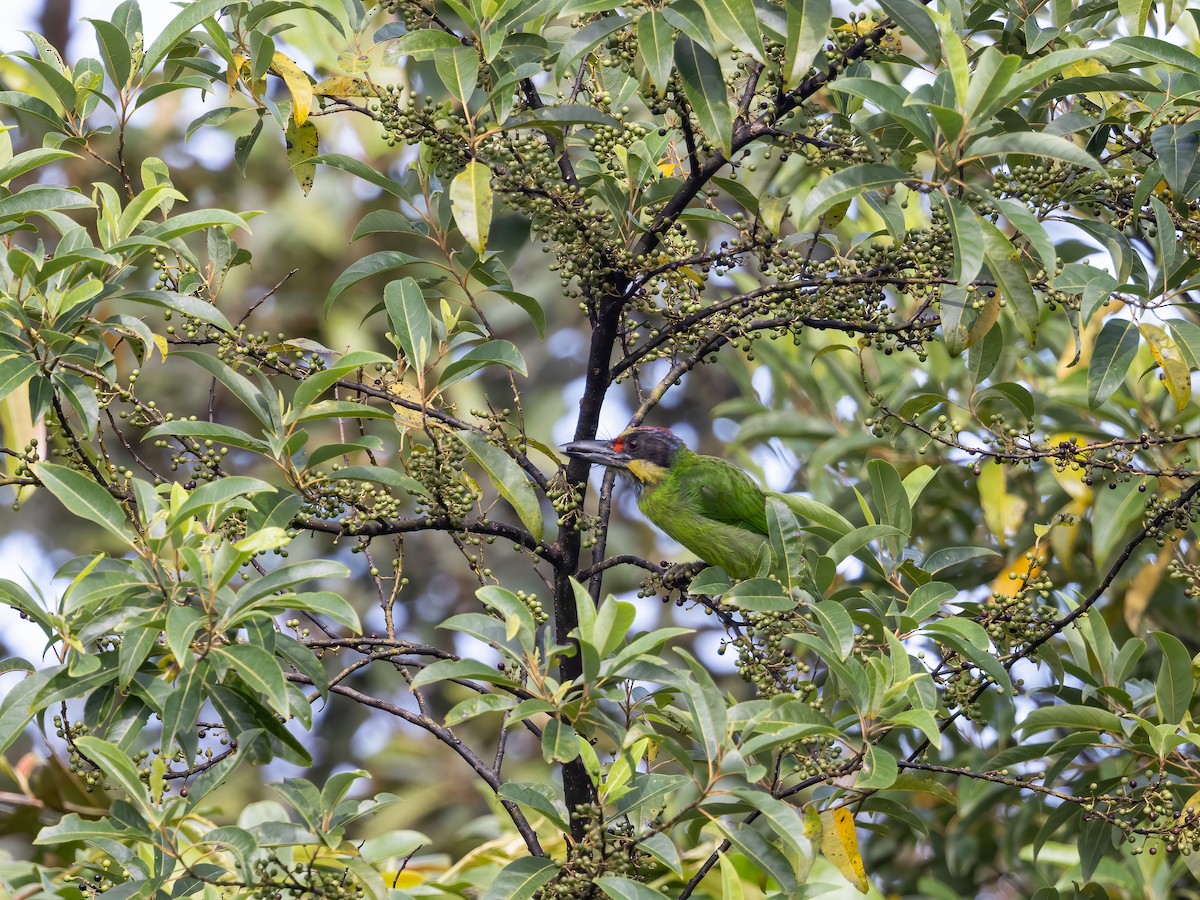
column 705, row 503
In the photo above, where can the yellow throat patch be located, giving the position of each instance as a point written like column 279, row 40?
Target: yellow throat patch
column 647, row 472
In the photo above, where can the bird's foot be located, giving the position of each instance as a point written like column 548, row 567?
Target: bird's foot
column 679, row 576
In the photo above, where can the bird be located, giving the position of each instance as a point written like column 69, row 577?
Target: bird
column 708, row 505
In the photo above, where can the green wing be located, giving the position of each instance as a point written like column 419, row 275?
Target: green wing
column 723, row 492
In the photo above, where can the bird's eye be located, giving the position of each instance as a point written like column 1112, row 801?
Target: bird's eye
column 633, row 444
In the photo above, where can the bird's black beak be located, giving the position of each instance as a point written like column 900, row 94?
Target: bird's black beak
column 599, row 452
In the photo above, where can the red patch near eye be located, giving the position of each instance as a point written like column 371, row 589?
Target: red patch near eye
column 618, row 445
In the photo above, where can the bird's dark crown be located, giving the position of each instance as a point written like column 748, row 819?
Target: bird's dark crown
column 657, row 446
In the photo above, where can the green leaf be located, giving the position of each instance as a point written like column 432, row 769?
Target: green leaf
column 1115, row 510
column 371, row 264
column 419, row 44
column 1158, row 51
column 1012, row 281
column 493, row 353
column 35, row 107
column 807, row 28
column 656, row 38
column 410, row 320
column 1177, row 146
column 184, row 304
column 114, row 51
column 849, row 544
column 224, row 434
column 198, row 220
column 946, row 557
column 303, row 143
column 914, row 19
column 538, row 797
column 736, row 20
column 585, row 40
column 1034, row 144
column 15, row 372
column 1175, row 687
column 879, row 770
column 1135, row 13
column 707, row 705
column 459, row 70
column 620, row 888
column 327, row 603
column 759, row 595
column 393, row 478
column 471, row 203
column 142, row 205
column 507, row 477
column 967, row 236
column 30, row 160
column 365, row 172
column 86, row 499
column 846, row 185
column 560, row 742
column 558, row 117
column 1070, row 718
column 239, row 385
column 706, row 92
column 259, row 670
column 836, row 625
column 189, row 17
column 521, row 878
column 217, row 493
column 117, row 766
column 38, row 199
column 1116, row 346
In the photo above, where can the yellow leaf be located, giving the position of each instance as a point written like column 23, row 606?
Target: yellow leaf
column 839, row 845
column 1003, row 512
column 405, row 417
column 298, row 86
column 353, row 62
column 1143, row 586
column 344, row 86
column 1071, row 480
column 471, row 203
column 17, row 428
column 161, row 343
column 833, row 217
column 234, row 72
column 1176, row 377
column 670, row 167
column 731, row 881
column 303, row 143
column 1088, row 67
column 1021, row 570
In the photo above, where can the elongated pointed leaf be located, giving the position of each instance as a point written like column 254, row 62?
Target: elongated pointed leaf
column 1012, row 281
column 371, row 264
column 471, row 203
column 85, row 498
column 655, row 41
column 736, row 20
column 1176, row 377
column 507, row 477
column 847, row 184
column 410, row 320
column 1116, row 346
column 807, row 27
column 187, row 19
column 1034, row 144
column 706, row 92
